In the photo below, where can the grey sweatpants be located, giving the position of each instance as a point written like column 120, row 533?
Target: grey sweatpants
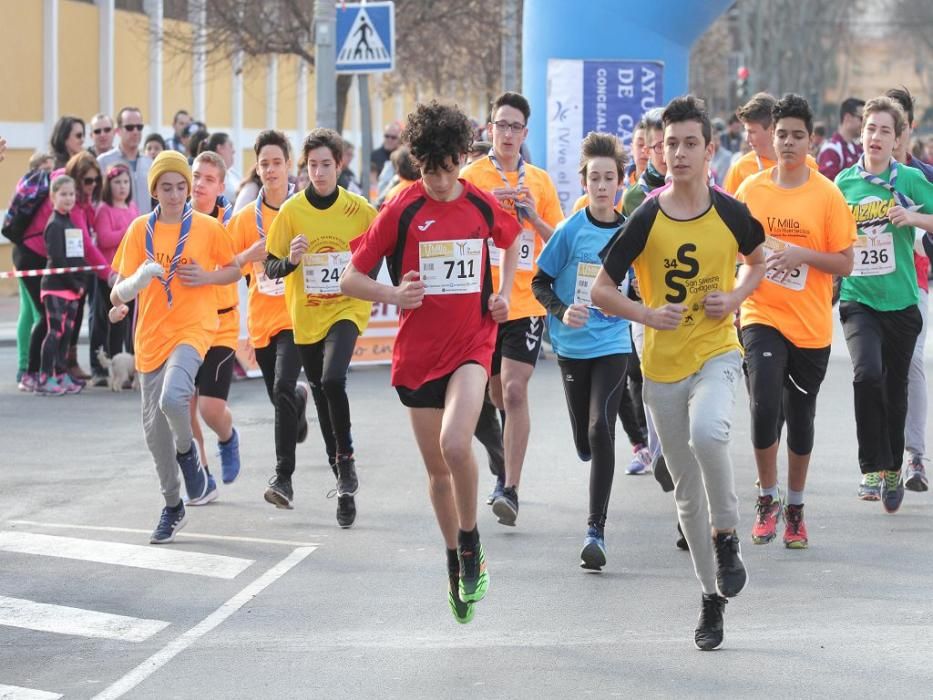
column 693, row 418
column 915, row 433
column 166, row 395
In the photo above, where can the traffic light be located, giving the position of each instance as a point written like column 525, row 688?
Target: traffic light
column 741, row 84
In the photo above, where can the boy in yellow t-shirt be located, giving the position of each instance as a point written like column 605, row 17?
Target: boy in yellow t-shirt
column 309, row 245
column 787, row 321
column 175, row 323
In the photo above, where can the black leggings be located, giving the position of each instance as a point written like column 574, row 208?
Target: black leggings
column 60, row 314
column 489, row 433
column 280, row 365
column 783, row 383
column 881, row 344
column 326, row 363
column 114, row 338
column 631, row 407
column 592, row 388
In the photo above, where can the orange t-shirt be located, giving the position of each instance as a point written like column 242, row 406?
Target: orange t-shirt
column 748, row 165
column 267, row 313
column 192, row 317
column 816, row 216
column 399, row 186
column 228, row 297
column 484, row 175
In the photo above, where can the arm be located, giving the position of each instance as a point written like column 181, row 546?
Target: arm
column 282, row 267
column 606, row 295
column 904, row 217
column 193, row 275
column 791, row 257
column 358, row 284
column 542, row 286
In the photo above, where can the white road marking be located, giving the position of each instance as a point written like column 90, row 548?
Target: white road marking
column 178, row 645
column 133, row 555
column 184, row 534
column 14, row 692
column 44, row 617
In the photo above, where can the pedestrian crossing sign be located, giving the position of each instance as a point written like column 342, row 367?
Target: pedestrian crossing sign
column 365, row 37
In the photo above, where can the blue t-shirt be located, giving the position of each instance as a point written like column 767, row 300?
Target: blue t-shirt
column 571, row 257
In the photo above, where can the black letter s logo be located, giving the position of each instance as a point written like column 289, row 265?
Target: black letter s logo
column 692, row 268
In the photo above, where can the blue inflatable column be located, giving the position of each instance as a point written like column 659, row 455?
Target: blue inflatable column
column 597, row 65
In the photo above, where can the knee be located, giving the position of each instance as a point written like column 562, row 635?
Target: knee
column 333, row 386
column 175, row 403
column 456, row 450
column 439, row 479
column 709, row 437
column 282, row 390
column 514, row 394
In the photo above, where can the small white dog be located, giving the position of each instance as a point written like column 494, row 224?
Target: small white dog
column 121, row 368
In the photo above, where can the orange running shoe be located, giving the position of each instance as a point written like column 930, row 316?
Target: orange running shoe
column 795, row 529
column 768, row 512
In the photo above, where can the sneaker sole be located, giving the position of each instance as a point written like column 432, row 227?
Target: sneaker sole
column 482, row 586
column 348, row 524
column 504, row 512
column 757, row 539
column 206, row 498
column 168, row 540
column 592, row 558
column 637, row 471
column 741, row 588
column 891, row 510
column 466, row 619
column 797, row 544
column 916, row 484
column 278, row 500
column 869, row 495
column 696, row 644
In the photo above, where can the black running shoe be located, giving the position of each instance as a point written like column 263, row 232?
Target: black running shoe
column 280, row 492
column 731, row 576
column 346, row 511
column 681, row 540
column 496, row 490
column 662, row 475
column 708, row 635
column 347, row 483
column 505, row 507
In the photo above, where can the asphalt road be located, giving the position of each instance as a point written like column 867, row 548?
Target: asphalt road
column 254, row 602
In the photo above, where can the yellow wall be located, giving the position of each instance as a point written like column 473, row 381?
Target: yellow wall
column 254, row 93
column 131, row 62
column 219, row 99
column 287, row 104
column 177, row 74
column 21, row 61
column 78, row 64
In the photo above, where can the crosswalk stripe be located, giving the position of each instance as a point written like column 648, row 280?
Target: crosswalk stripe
column 134, row 555
column 14, row 692
column 60, row 619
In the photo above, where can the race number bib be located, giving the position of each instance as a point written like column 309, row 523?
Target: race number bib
column 322, row 271
column 586, row 276
column 451, row 267
column 526, row 252
column 74, row 243
column 874, row 255
column 267, row 285
column 797, row 279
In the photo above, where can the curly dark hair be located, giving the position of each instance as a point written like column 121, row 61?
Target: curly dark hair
column 795, row 107
column 602, row 145
column 435, row 132
column 689, row 109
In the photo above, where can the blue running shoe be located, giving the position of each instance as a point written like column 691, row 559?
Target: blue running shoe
column 892, row 491
column 194, row 475
column 170, row 522
column 230, row 458
column 210, row 495
column 593, row 554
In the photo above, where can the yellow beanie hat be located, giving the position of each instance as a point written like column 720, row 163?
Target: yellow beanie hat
column 168, row 162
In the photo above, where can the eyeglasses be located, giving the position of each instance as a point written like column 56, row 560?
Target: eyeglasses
column 657, row 147
column 392, row 137
column 506, row 127
column 102, row 130
column 133, row 127
column 92, row 180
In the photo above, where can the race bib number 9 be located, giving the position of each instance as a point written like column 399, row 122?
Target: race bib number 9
column 265, row 284
column 451, row 267
column 797, row 279
column 322, row 271
column 526, row 252
column 874, row 255
column 74, row 243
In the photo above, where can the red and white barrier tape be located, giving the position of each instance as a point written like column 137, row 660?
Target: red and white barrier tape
column 52, row 271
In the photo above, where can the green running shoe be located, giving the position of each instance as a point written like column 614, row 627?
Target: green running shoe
column 463, row 612
column 474, row 579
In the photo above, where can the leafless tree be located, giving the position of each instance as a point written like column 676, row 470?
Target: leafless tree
column 439, row 43
column 912, row 22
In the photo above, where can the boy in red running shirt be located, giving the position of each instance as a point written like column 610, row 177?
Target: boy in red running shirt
column 433, row 237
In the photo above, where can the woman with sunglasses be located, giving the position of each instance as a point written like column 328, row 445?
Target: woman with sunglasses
column 67, row 140
column 84, row 170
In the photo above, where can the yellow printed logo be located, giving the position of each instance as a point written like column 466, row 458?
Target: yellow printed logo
column 872, row 211
column 438, row 249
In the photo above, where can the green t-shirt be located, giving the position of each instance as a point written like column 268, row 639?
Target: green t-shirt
column 896, row 288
